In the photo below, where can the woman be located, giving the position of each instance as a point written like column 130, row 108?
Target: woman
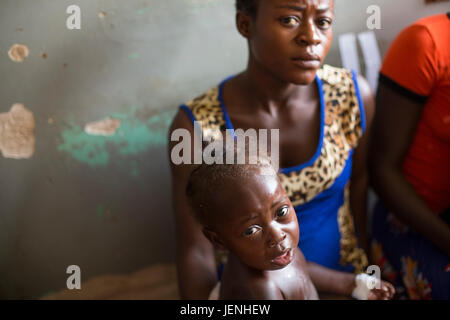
column 323, row 116
column 410, row 161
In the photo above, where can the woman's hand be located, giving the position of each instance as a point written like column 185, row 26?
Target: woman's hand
column 367, row 287
column 386, row 292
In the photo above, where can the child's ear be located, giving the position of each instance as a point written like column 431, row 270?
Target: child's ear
column 214, row 238
column 244, row 24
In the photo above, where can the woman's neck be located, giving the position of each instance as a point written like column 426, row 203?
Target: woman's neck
column 269, row 92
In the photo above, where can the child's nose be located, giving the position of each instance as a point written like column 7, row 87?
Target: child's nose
column 276, row 237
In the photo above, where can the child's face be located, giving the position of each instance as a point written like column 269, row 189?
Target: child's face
column 257, row 221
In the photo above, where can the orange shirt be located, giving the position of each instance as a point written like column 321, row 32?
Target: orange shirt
column 418, row 63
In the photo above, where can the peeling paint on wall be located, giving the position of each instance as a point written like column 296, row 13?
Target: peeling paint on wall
column 17, row 132
column 137, row 134
column 18, row 52
column 105, row 127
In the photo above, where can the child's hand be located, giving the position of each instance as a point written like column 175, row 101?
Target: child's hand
column 386, row 292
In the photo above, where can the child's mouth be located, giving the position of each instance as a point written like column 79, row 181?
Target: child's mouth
column 284, row 259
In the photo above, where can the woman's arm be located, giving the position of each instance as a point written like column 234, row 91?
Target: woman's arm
column 331, row 281
column 337, row 285
column 343, row 283
column 195, row 261
column 394, row 127
column 360, row 176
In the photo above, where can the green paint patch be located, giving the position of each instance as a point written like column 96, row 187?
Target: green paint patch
column 134, row 56
column 84, row 147
column 142, row 11
column 134, row 136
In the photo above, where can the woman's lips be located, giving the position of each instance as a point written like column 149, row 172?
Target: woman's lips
column 306, row 63
column 283, row 259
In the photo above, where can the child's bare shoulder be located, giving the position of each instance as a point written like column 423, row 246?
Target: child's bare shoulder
column 252, row 289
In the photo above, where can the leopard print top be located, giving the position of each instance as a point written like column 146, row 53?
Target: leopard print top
column 343, row 124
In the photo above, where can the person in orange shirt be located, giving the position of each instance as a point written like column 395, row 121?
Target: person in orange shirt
column 410, row 161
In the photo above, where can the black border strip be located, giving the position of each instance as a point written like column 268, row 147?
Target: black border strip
column 401, row 90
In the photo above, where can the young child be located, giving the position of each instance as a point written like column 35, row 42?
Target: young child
column 244, row 210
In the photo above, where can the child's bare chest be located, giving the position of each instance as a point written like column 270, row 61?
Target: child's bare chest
column 295, row 284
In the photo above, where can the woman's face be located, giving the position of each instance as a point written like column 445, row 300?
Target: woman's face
column 291, row 38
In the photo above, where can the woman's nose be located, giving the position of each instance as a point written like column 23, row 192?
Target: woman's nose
column 309, row 34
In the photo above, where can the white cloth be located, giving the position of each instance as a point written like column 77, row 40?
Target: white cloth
column 364, row 283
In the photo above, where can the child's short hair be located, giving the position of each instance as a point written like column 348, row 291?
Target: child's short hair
column 206, row 181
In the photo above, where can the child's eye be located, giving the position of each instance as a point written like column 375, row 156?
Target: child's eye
column 290, row 21
column 283, row 211
column 250, row 231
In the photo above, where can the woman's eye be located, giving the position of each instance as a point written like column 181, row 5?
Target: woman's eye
column 290, row 21
column 250, row 231
column 324, row 23
column 283, row 211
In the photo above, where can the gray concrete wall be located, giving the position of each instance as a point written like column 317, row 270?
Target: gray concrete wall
column 103, row 203
column 351, row 16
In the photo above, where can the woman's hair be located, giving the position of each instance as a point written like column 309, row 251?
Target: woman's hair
column 247, row 6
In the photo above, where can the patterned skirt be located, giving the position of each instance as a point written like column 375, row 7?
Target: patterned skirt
column 416, row 267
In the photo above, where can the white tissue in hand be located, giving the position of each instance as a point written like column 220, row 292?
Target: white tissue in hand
column 364, row 283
